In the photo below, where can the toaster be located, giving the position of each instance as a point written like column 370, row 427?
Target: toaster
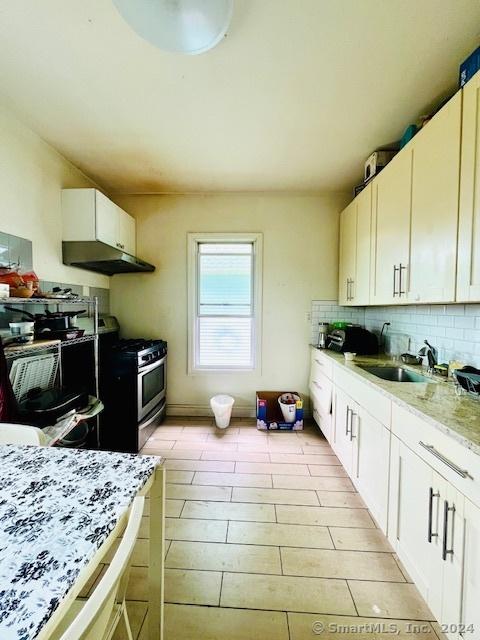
column 354, row 339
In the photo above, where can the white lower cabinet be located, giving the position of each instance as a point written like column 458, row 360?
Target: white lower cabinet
column 436, row 532
column 344, row 409
column 371, row 457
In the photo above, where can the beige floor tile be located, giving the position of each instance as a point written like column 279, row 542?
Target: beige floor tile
column 313, row 484
column 173, row 454
column 267, row 447
column 192, row 587
column 184, row 622
column 234, row 456
column 179, row 477
column 359, row 539
column 288, row 535
column 233, row 479
column 354, row 565
column 325, row 516
column 302, row 626
column 242, row 435
column 334, row 470
column 201, row 465
column 202, row 429
column 197, row 492
column 438, row 631
column 269, row 467
column 286, row 593
column 229, row 511
column 275, row 496
column 189, row 436
column 348, row 499
column 206, row 446
column 215, row 556
column 166, row 428
column 402, row 568
column 152, row 445
column 195, row 529
column 88, row 587
column 140, row 554
column 173, row 508
column 300, row 458
column 315, row 449
column 389, row 600
column 137, row 612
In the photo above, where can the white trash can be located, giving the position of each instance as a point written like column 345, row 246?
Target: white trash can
column 222, row 406
column 288, row 405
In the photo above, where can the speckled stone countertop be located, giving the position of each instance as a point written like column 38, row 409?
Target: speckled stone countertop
column 435, row 401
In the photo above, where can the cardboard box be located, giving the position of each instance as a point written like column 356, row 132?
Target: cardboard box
column 269, row 413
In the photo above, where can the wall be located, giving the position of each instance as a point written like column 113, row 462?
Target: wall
column 454, row 329
column 300, row 263
column 31, row 178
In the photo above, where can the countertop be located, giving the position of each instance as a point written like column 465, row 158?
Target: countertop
column 435, row 401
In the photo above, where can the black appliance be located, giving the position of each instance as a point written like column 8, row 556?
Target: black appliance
column 133, row 384
column 43, row 408
column 353, row 339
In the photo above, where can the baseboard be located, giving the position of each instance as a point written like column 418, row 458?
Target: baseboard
column 204, row 410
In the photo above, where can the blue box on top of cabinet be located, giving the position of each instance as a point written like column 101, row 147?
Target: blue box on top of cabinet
column 469, row 67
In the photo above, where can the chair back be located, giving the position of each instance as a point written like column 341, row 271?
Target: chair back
column 20, row 434
column 92, row 622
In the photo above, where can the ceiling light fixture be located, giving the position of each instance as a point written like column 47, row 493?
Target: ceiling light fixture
column 182, row 26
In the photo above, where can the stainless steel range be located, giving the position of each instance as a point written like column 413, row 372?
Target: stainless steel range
column 133, row 385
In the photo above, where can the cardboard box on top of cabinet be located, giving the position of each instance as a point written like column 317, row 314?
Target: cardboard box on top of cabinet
column 269, row 413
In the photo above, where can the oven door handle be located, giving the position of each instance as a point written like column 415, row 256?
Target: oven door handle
column 144, row 425
column 153, row 365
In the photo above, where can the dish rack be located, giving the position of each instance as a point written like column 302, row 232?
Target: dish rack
column 467, row 382
column 32, row 373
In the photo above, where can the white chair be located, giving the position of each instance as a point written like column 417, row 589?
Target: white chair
column 20, row 434
column 98, row 617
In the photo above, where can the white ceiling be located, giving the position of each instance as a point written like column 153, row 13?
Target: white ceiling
column 295, row 98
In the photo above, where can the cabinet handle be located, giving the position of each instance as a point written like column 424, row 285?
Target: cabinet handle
column 318, row 362
column 352, row 413
column 395, row 269
column 446, row 510
column 451, row 465
column 348, row 289
column 430, row 514
column 347, row 420
column 401, row 268
column 317, row 385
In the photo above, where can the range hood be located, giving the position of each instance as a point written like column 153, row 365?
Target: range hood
column 97, row 256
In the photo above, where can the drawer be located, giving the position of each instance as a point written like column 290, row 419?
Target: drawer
column 413, row 431
column 377, row 405
column 321, row 389
column 321, row 362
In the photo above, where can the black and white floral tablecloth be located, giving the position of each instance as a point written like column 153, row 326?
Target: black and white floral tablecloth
column 57, row 507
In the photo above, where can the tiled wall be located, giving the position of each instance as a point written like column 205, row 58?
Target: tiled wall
column 15, row 250
column 453, row 329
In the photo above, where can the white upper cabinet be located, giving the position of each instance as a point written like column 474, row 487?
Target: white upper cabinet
column 468, row 276
column 434, row 214
column 348, row 248
column 391, row 231
column 89, row 215
column 355, row 238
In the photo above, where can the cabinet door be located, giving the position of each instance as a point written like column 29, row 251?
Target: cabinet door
column 361, row 287
column 417, row 493
column 434, row 222
column 391, row 230
column 127, row 237
column 343, row 442
column 470, row 609
column 371, row 457
column 106, row 220
column 348, row 246
column 468, row 275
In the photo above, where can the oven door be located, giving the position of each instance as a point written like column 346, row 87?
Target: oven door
column 151, row 386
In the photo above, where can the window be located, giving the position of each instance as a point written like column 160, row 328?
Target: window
column 224, row 299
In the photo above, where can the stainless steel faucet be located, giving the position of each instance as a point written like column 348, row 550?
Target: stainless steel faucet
column 430, row 353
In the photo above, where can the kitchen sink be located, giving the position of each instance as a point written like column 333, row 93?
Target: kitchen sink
column 394, row 374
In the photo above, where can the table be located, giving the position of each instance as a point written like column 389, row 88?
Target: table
column 60, row 511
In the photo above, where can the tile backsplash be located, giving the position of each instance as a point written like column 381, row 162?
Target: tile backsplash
column 453, row 329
